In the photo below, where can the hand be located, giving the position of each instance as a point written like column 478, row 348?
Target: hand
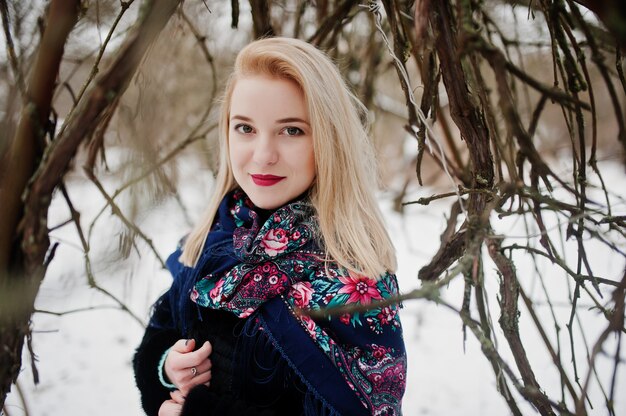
column 174, row 406
column 181, row 362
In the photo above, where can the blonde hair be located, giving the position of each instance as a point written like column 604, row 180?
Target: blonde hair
column 350, row 222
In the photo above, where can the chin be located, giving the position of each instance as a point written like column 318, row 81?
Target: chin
column 265, row 204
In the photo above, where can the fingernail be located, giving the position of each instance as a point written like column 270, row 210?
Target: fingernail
column 186, row 342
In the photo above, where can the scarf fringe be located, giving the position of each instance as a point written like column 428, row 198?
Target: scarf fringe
column 259, row 353
column 254, row 342
column 315, row 407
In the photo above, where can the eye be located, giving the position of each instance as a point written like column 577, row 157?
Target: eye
column 293, row 131
column 243, row 128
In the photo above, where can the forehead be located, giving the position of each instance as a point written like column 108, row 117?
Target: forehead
column 268, row 96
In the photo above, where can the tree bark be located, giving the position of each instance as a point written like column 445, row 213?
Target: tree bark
column 27, row 145
column 261, row 18
column 509, row 293
column 465, row 111
column 22, row 158
column 469, row 118
column 27, row 268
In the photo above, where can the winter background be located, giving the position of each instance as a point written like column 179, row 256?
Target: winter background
column 84, row 343
column 84, row 356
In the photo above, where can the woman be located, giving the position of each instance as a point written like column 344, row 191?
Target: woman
column 292, row 227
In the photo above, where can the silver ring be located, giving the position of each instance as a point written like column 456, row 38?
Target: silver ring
column 194, row 371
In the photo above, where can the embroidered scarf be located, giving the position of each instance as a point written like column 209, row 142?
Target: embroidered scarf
column 273, row 267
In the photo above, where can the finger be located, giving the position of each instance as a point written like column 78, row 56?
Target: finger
column 204, row 366
column 170, row 408
column 184, row 361
column 203, row 378
column 194, row 359
column 184, row 345
column 177, row 396
column 201, row 354
column 205, row 350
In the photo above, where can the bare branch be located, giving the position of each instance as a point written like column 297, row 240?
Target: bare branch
column 85, row 120
column 17, row 71
column 261, row 18
column 25, row 151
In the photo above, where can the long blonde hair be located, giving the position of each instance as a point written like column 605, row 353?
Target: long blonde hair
column 350, row 222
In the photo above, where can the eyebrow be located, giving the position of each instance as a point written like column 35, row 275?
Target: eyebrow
column 292, row 120
column 281, row 121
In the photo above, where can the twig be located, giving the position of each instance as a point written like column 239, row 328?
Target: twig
column 616, row 324
column 577, row 276
column 491, row 354
column 118, row 212
column 20, row 393
column 209, row 58
column 182, row 145
column 599, row 61
column 461, row 191
column 95, row 67
column 546, row 341
column 33, row 361
column 429, row 290
column 85, row 245
column 71, row 311
column 616, row 362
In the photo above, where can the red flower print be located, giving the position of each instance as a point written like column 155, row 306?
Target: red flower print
column 301, row 293
column 295, row 235
column 361, row 289
column 378, row 351
column 216, row 293
column 310, row 325
column 274, row 242
column 386, row 315
column 246, row 313
column 345, row 318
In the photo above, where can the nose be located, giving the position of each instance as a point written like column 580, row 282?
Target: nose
column 265, row 151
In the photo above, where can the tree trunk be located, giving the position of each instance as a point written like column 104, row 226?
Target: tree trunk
column 22, row 158
column 25, row 266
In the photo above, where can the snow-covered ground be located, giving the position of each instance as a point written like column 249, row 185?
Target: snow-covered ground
column 84, row 357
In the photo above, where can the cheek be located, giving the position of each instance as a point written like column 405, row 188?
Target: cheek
column 235, row 154
column 311, row 168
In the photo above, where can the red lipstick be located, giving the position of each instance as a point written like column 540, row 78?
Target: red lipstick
column 266, row 180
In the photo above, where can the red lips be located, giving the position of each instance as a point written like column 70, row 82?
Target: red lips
column 266, row 180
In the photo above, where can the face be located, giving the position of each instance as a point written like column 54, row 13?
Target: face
column 270, row 140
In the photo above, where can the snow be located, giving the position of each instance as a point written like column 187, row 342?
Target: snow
column 84, row 357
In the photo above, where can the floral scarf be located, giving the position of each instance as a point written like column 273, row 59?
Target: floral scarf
column 279, row 271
